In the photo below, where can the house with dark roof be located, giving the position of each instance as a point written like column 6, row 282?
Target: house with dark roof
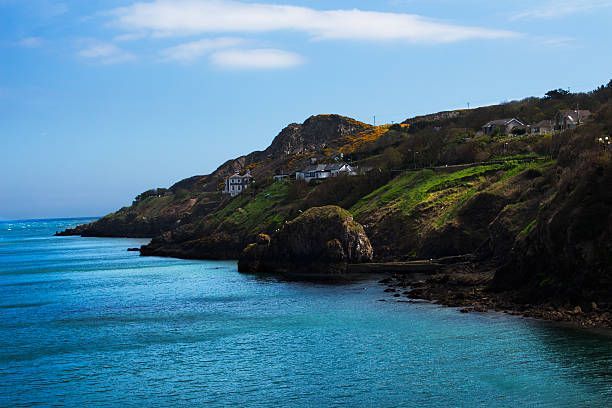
column 505, row 126
column 236, row 183
column 569, row 119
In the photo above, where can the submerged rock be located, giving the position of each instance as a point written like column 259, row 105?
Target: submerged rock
column 321, row 241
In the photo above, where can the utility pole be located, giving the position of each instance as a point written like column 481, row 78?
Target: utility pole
column 374, row 120
column 468, row 106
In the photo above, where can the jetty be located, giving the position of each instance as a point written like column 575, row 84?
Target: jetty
column 423, row 266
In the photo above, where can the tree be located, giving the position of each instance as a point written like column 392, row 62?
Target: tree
column 557, row 93
column 392, row 158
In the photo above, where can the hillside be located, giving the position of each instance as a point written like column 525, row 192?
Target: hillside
column 535, row 206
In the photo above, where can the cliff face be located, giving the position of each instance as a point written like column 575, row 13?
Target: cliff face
column 315, row 133
column 150, row 217
column 567, row 251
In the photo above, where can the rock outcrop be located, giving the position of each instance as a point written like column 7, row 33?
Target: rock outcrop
column 314, row 134
column 321, row 242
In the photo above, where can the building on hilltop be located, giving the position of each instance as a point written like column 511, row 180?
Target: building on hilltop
column 505, row 126
column 312, row 172
column 339, row 169
column 236, row 183
column 569, row 119
column 543, row 127
column 323, row 171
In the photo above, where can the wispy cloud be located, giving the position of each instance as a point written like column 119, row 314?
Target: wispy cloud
column 193, row 50
column 105, row 53
column 129, row 37
column 559, row 42
column 31, row 42
column 562, row 8
column 188, row 17
column 258, row 58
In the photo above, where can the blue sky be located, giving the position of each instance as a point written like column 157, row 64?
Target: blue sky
column 101, row 100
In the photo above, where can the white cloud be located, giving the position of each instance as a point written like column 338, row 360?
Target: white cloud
column 192, row 50
column 258, row 58
column 562, row 8
column 559, row 42
column 188, row 17
column 31, row 42
column 129, row 37
column 105, row 53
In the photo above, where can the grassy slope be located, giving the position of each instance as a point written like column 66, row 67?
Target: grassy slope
column 418, row 207
column 426, row 187
column 247, row 214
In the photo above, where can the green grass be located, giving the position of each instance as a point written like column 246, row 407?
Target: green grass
column 253, row 214
column 406, row 191
column 517, row 157
column 525, row 231
column 449, row 191
column 452, row 212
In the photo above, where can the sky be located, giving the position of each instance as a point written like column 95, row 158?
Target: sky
column 102, row 100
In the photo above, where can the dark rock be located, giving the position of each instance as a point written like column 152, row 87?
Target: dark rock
column 215, row 246
column 133, row 249
column 320, row 242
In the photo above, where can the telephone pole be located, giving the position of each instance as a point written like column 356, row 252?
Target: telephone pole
column 374, row 120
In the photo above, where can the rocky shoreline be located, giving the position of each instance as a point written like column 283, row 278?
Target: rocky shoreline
column 468, row 286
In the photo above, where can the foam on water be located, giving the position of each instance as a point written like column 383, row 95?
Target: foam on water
column 83, row 322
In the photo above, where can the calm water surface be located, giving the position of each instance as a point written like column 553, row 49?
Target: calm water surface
column 83, row 322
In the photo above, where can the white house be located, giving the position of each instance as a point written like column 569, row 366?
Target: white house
column 504, row 125
column 236, row 184
column 323, row 171
column 340, row 169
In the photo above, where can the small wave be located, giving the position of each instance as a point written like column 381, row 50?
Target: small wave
column 24, row 305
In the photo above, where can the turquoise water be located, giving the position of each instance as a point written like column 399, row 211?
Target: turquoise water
column 83, row 322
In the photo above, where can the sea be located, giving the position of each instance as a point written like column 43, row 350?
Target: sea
column 85, row 323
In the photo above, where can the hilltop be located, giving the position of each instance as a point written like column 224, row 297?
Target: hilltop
column 531, row 209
